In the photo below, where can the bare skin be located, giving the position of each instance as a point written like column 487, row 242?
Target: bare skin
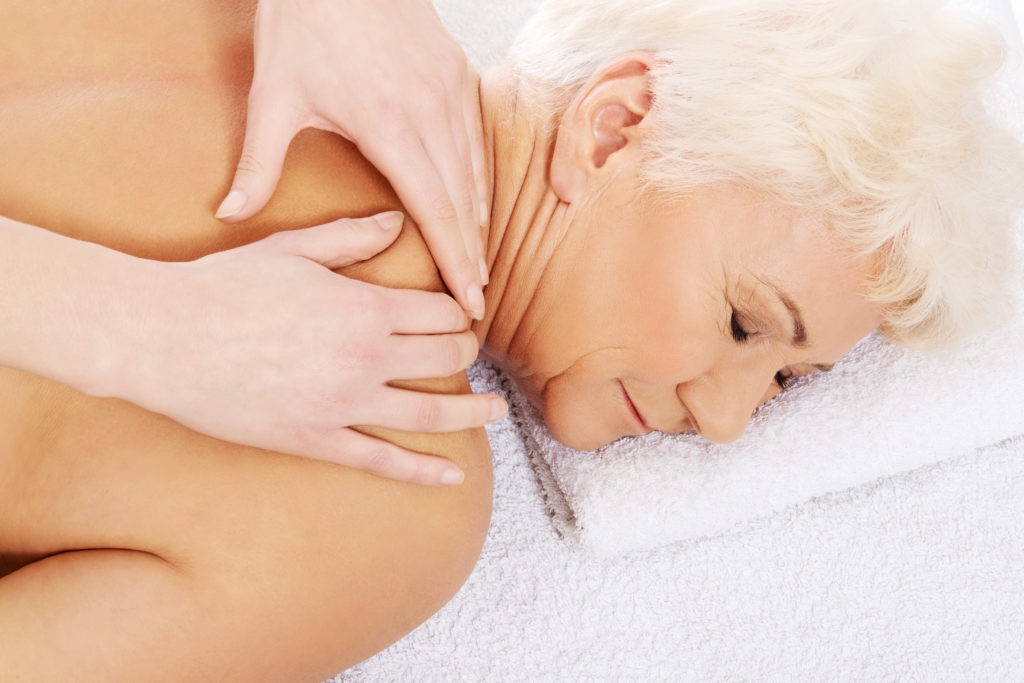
column 122, row 532
column 615, row 311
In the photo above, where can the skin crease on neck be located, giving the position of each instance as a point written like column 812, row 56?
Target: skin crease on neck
column 619, row 312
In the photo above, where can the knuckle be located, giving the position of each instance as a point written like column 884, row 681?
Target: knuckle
column 428, row 83
column 249, row 163
column 464, row 264
column 356, row 360
column 465, row 195
column 353, row 234
column 366, row 303
column 443, row 210
column 317, row 403
column 456, row 315
column 379, row 459
column 336, row 405
column 472, row 347
column 421, row 473
column 392, row 116
column 453, row 356
column 299, row 437
column 428, row 415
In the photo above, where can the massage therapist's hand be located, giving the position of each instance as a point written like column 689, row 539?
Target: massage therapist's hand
column 388, row 76
column 264, row 345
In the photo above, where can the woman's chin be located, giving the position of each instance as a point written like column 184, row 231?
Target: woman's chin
column 576, row 436
column 577, row 417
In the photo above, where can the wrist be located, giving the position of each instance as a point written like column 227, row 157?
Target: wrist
column 73, row 311
column 131, row 309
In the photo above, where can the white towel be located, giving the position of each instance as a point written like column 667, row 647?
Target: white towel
column 881, row 411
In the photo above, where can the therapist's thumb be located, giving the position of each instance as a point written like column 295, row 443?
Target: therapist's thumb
column 341, row 242
column 268, row 132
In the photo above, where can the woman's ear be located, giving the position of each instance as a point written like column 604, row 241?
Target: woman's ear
column 599, row 129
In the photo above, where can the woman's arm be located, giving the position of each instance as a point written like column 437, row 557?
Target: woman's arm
column 140, row 549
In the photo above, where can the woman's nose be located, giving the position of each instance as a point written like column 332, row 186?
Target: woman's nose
column 721, row 405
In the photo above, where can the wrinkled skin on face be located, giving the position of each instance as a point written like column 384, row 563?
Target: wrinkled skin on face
column 679, row 315
column 618, row 310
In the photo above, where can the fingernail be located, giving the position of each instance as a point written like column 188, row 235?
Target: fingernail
column 390, row 220
column 452, row 477
column 498, row 410
column 232, row 204
column 484, row 214
column 475, row 299
column 485, row 277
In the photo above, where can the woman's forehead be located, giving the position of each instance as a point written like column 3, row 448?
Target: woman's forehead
column 791, row 262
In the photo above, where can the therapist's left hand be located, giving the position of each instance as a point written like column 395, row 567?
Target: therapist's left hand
column 388, row 76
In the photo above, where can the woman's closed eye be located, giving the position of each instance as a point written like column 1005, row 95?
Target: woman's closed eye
column 743, row 331
column 788, row 375
column 784, row 377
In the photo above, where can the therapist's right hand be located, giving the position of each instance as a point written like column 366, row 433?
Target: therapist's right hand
column 263, row 345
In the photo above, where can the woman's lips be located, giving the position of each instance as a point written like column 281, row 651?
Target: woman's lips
column 634, row 411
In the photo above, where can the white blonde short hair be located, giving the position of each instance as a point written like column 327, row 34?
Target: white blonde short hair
column 868, row 112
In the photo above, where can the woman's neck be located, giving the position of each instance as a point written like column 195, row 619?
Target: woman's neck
column 527, row 220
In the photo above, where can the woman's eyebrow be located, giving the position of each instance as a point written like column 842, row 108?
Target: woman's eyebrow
column 800, row 339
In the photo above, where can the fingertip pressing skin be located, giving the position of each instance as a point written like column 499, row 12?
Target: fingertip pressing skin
column 390, row 220
column 268, row 133
column 232, row 204
column 433, row 159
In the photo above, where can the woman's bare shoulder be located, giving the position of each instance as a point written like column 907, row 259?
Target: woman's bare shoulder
column 357, row 189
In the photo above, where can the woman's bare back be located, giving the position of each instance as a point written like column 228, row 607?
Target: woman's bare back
column 132, row 546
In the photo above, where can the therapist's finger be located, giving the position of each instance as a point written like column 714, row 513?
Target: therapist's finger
column 405, row 163
column 448, row 150
column 428, row 356
column 459, row 174
column 417, row 411
column 353, row 449
column 474, row 130
column 341, row 242
column 412, row 311
column 269, row 129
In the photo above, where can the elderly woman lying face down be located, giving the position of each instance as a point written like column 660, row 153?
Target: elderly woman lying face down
column 693, row 203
